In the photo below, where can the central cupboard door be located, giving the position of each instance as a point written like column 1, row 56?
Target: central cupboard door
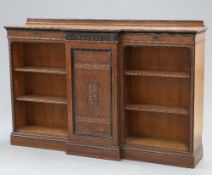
column 92, row 91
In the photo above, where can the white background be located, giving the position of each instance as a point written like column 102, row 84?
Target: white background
column 20, row 160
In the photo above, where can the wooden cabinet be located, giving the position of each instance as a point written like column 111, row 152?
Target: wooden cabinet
column 109, row 89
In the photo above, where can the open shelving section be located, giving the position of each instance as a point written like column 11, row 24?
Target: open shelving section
column 155, row 142
column 164, row 74
column 43, row 99
column 156, row 108
column 156, row 97
column 40, row 99
column 44, row 130
column 37, row 69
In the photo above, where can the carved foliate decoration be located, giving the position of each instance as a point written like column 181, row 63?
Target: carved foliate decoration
column 92, row 92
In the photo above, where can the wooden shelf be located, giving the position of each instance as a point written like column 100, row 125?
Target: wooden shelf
column 157, row 108
column 163, row 74
column 157, row 142
column 44, row 130
column 47, row 70
column 43, row 99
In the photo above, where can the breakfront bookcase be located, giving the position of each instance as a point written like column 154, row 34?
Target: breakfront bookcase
column 110, row 89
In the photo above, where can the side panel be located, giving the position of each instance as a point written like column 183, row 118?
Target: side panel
column 198, row 91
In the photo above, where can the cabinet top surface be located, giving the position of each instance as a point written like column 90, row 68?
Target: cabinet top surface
column 111, row 25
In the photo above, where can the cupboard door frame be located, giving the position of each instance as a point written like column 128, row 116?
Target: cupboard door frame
column 111, row 48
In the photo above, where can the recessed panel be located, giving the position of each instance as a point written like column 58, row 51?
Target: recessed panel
column 91, row 76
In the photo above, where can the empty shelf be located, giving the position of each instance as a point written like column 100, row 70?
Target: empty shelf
column 157, row 108
column 44, row 130
column 43, row 99
column 157, row 142
column 48, row 70
column 163, row 74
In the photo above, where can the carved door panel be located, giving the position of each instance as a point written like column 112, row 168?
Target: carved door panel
column 92, row 91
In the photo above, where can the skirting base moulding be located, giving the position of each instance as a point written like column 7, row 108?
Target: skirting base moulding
column 111, row 89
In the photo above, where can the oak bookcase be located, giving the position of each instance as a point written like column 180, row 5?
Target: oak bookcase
column 109, row 88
